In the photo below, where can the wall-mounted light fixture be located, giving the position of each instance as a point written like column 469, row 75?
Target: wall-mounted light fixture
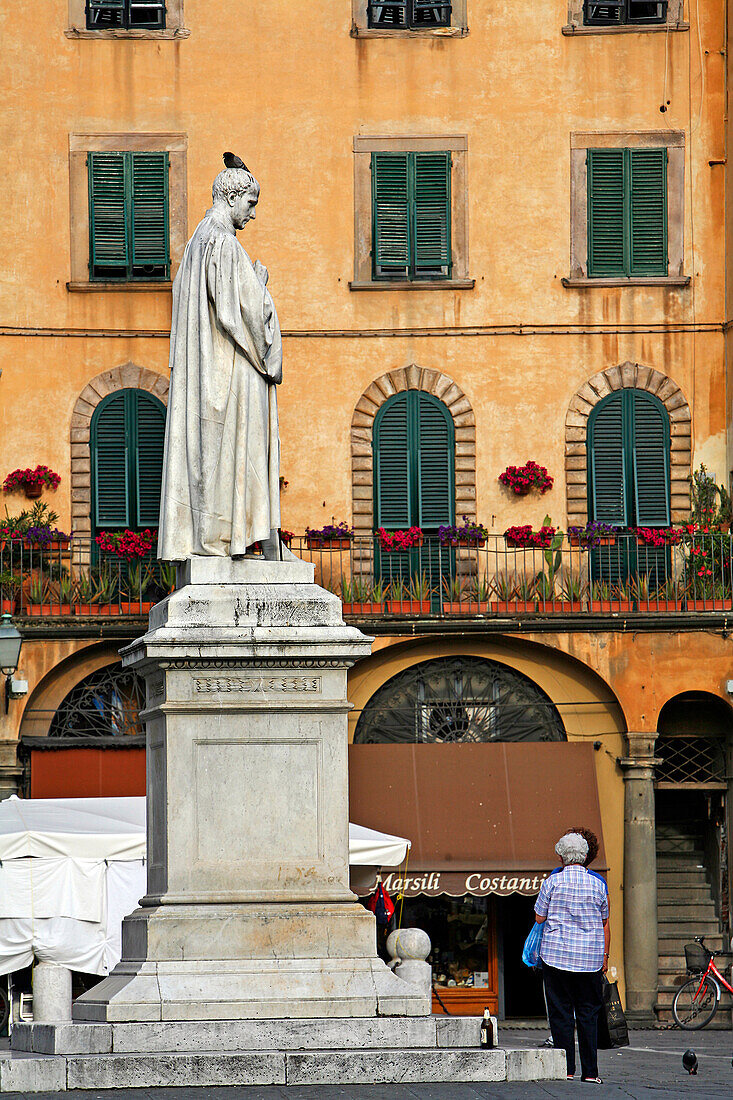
column 10, row 643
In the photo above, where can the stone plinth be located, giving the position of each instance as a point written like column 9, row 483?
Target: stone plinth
column 248, row 912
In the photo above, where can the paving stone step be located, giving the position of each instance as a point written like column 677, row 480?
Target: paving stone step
column 682, row 879
column 675, row 944
column 684, row 895
column 689, row 928
column 688, row 911
column 27, row 1074
column 720, row 1022
column 666, row 994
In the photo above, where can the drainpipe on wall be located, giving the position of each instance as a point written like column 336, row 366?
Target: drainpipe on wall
column 641, row 945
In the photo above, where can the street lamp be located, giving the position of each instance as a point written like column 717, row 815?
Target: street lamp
column 10, row 643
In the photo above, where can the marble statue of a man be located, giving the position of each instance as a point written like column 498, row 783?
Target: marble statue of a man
column 222, row 451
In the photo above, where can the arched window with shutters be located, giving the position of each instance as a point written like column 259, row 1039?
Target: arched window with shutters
column 628, row 460
column 127, row 436
column 414, row 478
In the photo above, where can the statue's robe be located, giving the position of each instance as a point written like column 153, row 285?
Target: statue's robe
column 221, row 465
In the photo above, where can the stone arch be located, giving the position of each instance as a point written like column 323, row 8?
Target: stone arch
column 127, row 376
column 627, row 376
column 411, row 377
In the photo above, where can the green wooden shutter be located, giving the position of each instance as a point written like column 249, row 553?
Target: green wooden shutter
column 107, row 216
column 648, row 205
column 435, row 461
column 392, row 467
column 606, row 212
column 607, row 461
column 110, row 449
column 650, row 434
column 391, row 214
column 150, row 437
column 432, row 213
column 149, row 213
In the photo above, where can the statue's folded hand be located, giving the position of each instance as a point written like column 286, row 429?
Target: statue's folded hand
column 261, row 272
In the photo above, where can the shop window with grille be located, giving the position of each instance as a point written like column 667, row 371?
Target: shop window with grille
column 103, row 15
column 407, row 14
column 411, row 215
column 128, row 217
column 690, row 761
column 627, row 212
column 619, row 12
column 107, row 703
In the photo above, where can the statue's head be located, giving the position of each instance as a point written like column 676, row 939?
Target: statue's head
column 239, row 192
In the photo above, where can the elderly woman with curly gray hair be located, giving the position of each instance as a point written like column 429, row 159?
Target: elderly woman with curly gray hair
column 573, row 907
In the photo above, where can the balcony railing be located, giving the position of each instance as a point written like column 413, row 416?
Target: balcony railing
column 623, row 575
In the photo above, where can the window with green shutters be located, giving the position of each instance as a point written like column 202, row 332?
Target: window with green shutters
column 125, row 14
column 128, row 217
column 615, row 12
column 127, row 437
column 411, row 224
column 628, row 460
column 627, row 212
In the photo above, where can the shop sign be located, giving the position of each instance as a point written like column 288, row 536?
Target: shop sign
column 459, row 883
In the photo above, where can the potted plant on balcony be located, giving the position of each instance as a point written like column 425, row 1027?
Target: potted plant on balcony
column 505, row 589
column 669, row 597
column 362, row 596
column 524, row 537
column 411, row 599
column 399, row 540
column 545, row 581
column 522, row 479
column 46, row 538
column 572, row 590
column 31, row 482
column 96, row 592
column 38, row 603
column 469, row 533
column 9, row 589
column 135, row 581
column 603, row 597
column 334, row 536
column 592, row 535
column 452, row 597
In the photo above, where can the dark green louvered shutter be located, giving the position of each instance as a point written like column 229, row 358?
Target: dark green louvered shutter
column 606, row 212
column 150, row 417
column 651, row 460
column 109, row 255
column 607, row 461
column 392, row 466
column 150, row 213
column 648, row 211
column 435, row 460
column 110, row 449
column 391, row 213
column 432, row 213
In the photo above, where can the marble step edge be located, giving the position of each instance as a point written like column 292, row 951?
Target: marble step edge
column 27, row 1074
column 427, row 1032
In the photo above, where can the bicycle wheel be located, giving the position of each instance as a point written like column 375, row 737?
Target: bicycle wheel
column 693, row 1012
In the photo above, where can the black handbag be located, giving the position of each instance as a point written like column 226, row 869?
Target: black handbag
column 613, row 1030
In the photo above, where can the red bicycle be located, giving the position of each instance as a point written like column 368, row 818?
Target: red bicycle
column 696, row 1002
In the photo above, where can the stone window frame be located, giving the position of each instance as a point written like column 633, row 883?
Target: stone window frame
column 174, row 28
column 360, row 24
column 627, row 376
column 128, row 376
column 412, row 377
column 176, row 145
column 364, row 145
column 580, row 143
column 675, row 22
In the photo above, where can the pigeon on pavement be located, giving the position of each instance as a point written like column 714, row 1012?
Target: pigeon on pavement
column 689, row 1061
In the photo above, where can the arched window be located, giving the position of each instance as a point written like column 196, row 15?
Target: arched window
column 127, row 435
column 107, row 703
column 451, row 699
column 628, row 460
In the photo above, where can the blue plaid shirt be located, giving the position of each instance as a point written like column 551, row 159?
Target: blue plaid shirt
column 575, row 904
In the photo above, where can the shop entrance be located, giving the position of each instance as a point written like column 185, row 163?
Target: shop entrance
column 520, row 989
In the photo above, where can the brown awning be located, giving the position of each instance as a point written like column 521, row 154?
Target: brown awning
column 483, row 819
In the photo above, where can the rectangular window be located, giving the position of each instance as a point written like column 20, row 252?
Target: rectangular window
column 128, row 217
column 627, row 212
column 407, row 14
column 614, row 12
column 411, row 201
column 129, row 15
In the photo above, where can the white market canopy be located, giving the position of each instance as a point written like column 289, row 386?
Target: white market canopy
column 114, row 828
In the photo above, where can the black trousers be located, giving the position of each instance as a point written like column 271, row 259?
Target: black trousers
column 574, row 999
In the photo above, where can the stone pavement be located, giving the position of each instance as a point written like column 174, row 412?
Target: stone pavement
column 649, row 1069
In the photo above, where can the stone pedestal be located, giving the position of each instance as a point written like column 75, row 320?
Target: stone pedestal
column 248, row 913
column 51, row 993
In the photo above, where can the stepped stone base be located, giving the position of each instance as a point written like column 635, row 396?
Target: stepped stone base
column 58, row 1057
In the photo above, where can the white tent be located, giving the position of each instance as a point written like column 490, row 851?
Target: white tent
column 72, row 868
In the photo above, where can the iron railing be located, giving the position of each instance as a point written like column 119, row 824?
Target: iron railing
column 620, row 576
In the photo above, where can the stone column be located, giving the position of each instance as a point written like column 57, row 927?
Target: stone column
column 248, row 912
column 641, row 947
column 51, row 993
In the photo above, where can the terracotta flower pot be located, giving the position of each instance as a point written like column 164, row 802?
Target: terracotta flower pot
column 610, row 605
column 410, row 607
column 513, row 606
column 91, row 609
column 8, row 605
column 711, row 604
column 135, row 607
column 569, row 606
column 327, row 544
column 663, row 605
column 33, row 491
column 363, row 608
column 465, row 607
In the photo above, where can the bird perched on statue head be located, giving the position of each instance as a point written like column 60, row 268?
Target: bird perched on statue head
column 231, row 160
column 689, row 1061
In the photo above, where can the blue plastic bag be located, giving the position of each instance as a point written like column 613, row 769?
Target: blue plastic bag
column 531, row 950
